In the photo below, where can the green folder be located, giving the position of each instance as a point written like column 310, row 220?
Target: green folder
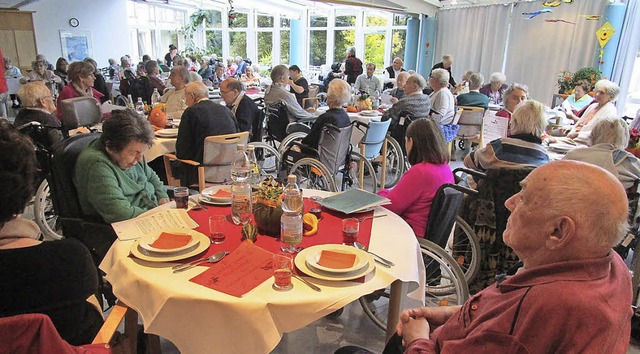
column 354, row 201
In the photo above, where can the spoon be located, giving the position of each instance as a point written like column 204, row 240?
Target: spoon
column 211, row 259
column 371, row 217
column 360, row 246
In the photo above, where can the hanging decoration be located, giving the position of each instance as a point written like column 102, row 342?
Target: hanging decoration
column 426, row 53
column 536, row 13
column 591, row 17
column 232, row 14
column 604, row 34
column 556, row 3
column 560, row 20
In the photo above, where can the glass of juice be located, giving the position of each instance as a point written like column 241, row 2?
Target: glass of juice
column 282, row 270
column 181, row 196
column 350, row 229
column 216, row 228
column 316, row 208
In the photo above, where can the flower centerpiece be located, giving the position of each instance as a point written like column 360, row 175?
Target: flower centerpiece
column 267, row 208
column 587, row 76
column 364, row 101
column 565, row 82
column 634, row 142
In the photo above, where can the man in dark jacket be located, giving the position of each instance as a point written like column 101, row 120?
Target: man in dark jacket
column 447, row 61
column 242, row 106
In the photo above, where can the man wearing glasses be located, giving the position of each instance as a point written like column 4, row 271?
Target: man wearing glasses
column 242, row 106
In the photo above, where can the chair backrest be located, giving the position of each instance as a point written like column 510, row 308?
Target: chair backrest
column 313, row 90
column 470, row 121
column 80, row 112
column 374, row 137
column 310, row 102
column 277, row 120
column 442, row 216
column 457, row 115
column 219, row 151
column 32, row 333
column 334, row 146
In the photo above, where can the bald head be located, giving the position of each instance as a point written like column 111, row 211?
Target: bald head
column 194, row 92
column 230, row 88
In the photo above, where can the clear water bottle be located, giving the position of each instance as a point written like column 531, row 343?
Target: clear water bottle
column 254, row 179
column 291, row 220
column 140, row 106
column 130, row 102
column 241, row 209
column 155, row 97
column 375, row 100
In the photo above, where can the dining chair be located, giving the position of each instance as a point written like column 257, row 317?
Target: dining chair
column 216, row 162
column 80, row 112
column 373, row 146
column 470, row 126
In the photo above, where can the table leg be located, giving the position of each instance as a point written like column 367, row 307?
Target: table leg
column 398, row 291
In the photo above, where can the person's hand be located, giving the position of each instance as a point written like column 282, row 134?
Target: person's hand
column 290, row 82
column 415, row 329
column 394, row 100
column 435, row 315
column 572, row 135
column 79, row 130
column 163, row 201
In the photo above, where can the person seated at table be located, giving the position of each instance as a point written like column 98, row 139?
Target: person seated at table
column 251, row 80
column 230, row 69
column 427, row 153
column 397, row 92
column 463, row 86
column 244, row 109
column 174, row 97
column 473, row 98
column 442, row 101
column 572, row 281
column 62, row 65
column 610, row 137
column 298, row 85
column 82, row 77
column 391, row 73
column 413, row 103
column 338, row 94
column 56, row 278
column 100, row 84
column 576, row 102
column 276, row 93
column 205, row 68
column 495, row 89
column 111, row 175
column 40, row 73
column 38, row 106
column 218, row 75
column 523, row 147
column 153, row 73
column 513, row 95
column 336, row 73
column 368, row 82
column 606, row 93
column 241, row 64
column 10, row 70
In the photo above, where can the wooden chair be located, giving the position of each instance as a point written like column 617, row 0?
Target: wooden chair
column 470, row 123
column 217, row 160
column 456, row 119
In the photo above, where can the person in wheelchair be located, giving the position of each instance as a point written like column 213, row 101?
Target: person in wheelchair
column 57, row 278
column 413, row 102
column 112, row 177
column 610, row 137
column 38, row 106
column 427, row 152
column 277, row 93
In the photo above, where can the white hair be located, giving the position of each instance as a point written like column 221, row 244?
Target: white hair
column 475, row 81
column 611, row 130
column 609, row 87
column 528, row 118
column 441, row 75
column 498, row 77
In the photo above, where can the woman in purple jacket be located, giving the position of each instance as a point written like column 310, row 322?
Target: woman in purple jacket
column 427, row 153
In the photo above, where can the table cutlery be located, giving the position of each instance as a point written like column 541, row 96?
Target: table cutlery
column 312, row 286
column 360, row 246
column 211, row 259
column 371, row 217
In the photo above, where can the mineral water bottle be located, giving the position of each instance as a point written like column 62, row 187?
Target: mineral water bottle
column 155, row 97
column 241, row 211
column 140, row 106
column 253, row 163
column 375, row 100
column 291, row 220
column 292, row 201
column 130, row 102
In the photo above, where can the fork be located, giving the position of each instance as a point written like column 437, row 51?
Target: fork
column 371, row 217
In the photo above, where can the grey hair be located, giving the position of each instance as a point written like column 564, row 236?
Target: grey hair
column 279, row 72
column 233, row 84
column 182, row 72
column 611, row 130
column 407, row 74
column 513, row 87
column 528, row 118
column 475, row 81
column 441, row 75
column 151, row 66
column 468, row 73
column 447, row 57
column 417, row 80
column 498, row 77
column 609, row 87
column 125, row 126
column 237, row 58
column 339, row 93
column 198, row 88
column 351, row 51
column 31, row 93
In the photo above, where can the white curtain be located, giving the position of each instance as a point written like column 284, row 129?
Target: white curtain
column 475, row 36
column 627, row 51
column 538, row 51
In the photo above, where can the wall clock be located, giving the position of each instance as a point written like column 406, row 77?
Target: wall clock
column 73, row 22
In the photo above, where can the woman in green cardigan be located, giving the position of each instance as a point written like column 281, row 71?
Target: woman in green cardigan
column 112, row 177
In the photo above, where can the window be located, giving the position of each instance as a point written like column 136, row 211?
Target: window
column 214, row 42
column 400, row 20
column 265, row 21
column 285, row 34
column 374, row 44
column 345, row 21
column 214, row 19
column 398, row 44
column 265, row 48
column 375, row 19
column 241, row 20
column 238, row 44
column 343, row 39
column 317, row 47
column 318, row 21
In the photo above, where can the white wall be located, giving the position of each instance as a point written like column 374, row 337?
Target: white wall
column 107, row 21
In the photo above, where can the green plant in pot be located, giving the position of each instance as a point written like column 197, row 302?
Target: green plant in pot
column 267, row 208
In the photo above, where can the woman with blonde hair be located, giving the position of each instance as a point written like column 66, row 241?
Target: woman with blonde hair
column 338, row 94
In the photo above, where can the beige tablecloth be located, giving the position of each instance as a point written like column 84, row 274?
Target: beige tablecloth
column 160, row 147
column 201, row 320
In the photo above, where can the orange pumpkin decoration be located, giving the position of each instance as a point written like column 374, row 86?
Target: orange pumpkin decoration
column 157, row 118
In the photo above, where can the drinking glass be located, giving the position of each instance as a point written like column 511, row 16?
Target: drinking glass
column 282, row 270
column 350, row 229
column 216, row 228
column 181, row 196
column 316, row 208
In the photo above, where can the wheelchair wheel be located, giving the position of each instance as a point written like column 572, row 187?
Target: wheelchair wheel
column 268, row 159
column 395, row 163
column 445, row 285
column 44, row 214
column 312, row 174
column 287, row 141
column 465, row 248
column 351, row 174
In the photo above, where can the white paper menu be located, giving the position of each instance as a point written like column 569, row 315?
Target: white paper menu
column 167, row 220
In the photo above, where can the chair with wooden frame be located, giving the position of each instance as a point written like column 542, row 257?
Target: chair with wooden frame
column 217, row 160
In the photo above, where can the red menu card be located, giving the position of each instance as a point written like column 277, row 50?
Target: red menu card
column 239, row 272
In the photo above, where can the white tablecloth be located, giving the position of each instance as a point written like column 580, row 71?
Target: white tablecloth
column 201, row 320
column 160, row 147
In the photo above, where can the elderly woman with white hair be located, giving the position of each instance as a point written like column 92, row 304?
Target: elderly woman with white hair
column 277, row 93
column 606, row 93
column 413, row 102
column 610, row 137
column 442, row 101
column 522, row 148
column 513, row 96
column 338, row 94
column 495, row 88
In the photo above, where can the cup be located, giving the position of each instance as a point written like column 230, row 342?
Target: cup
column 316, row 208
column 216, row 229
column 350, row 229
column 181, row 196
column 282, row 270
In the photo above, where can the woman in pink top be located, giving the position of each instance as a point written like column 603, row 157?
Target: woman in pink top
column 427, row 153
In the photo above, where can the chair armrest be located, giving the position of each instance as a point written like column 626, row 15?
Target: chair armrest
column 112, row 322
column 189, row 162
column 474, row 173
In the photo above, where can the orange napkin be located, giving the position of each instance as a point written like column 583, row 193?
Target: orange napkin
column 168, row 241
column 336, row 260
column 221, row 193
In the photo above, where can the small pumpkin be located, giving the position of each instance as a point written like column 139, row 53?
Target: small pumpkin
column 157, row 118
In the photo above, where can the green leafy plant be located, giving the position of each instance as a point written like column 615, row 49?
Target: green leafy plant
column 565, row 81
column 587, row 75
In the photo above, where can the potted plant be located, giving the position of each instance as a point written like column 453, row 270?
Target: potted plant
column 565, row 82
column 587, row 75
column 634, row 137
column 267, row 208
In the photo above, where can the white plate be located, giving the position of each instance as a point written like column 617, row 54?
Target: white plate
column 300, row 262
column 145, row 242
column 370, row 113
column 562, row 147
column 167, row 133
column 213, row 202
column 210, row 191
column 360, row 261
column 141, row 253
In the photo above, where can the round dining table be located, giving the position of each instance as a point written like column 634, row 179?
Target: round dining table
column 198, row 319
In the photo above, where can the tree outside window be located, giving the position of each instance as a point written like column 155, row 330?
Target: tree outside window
column 398, row 44
column 343, row 40
column 238, row 44
column 318, row 48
